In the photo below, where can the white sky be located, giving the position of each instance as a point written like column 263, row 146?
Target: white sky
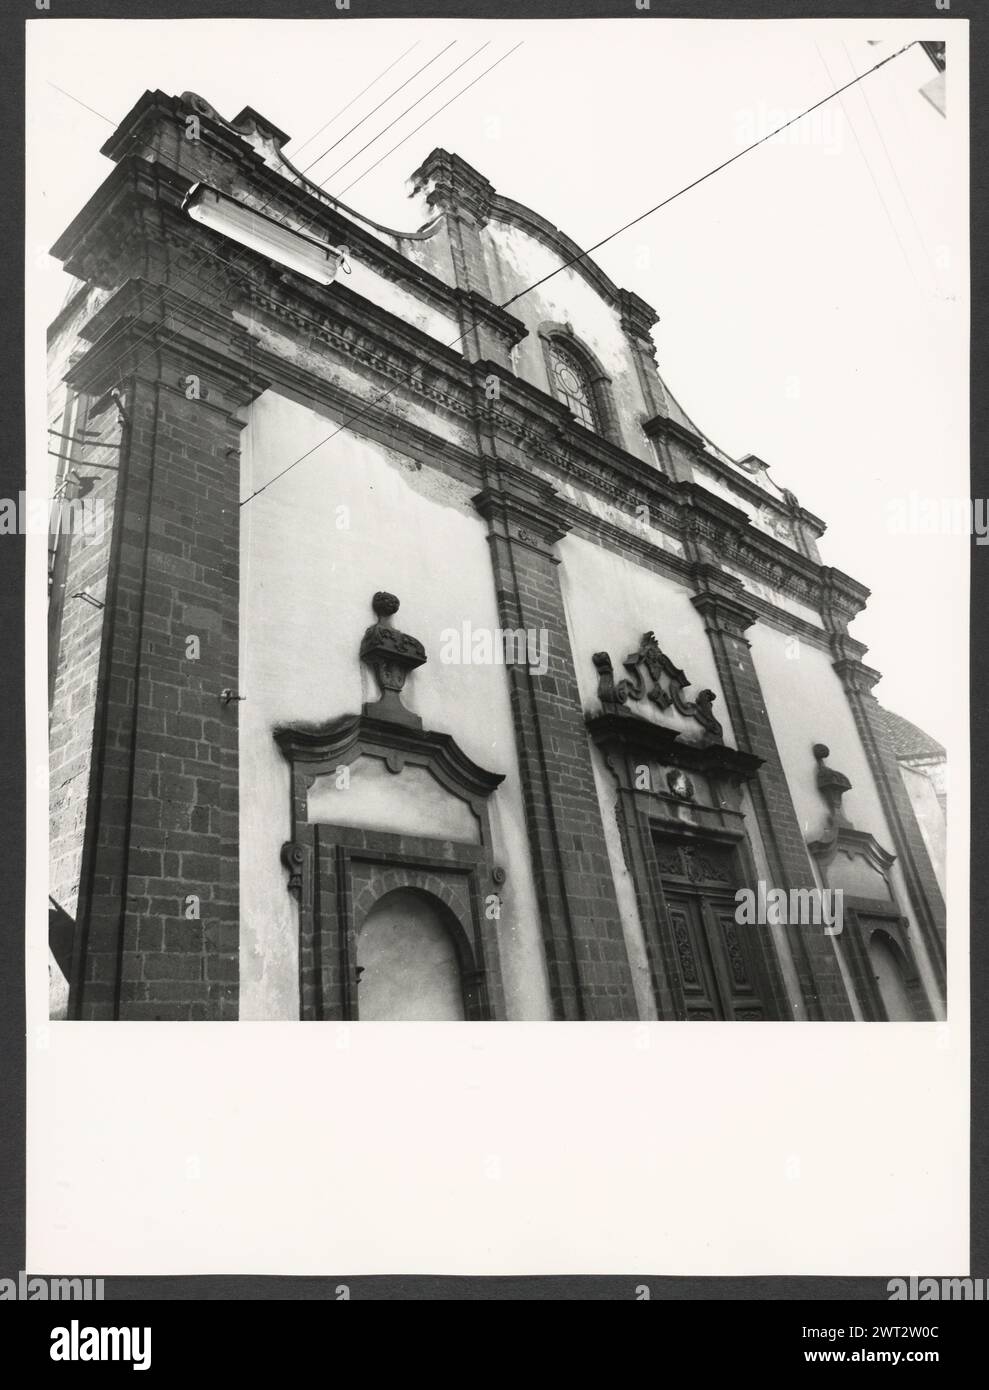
column 813, row 297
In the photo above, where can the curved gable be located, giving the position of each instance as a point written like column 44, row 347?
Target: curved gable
column 564, row 247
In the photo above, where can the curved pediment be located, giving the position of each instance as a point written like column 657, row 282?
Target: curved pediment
column 316, row 749
column 516, row 214
column 268, row 141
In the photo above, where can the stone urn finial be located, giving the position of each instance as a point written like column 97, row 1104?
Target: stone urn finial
column 391, row 655
column 831, row 784
column 384, row 604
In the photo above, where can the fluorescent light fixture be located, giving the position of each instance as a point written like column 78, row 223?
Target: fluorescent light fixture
column 314, row 259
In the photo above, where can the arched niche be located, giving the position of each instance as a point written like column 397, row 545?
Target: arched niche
column 378, row 808
column 875, row 938
column 891, row 972
column 414, row 961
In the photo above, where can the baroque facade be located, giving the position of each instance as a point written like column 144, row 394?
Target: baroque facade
column 427, row 661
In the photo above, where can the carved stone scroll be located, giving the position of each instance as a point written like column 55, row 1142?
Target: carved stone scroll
column 614, row 695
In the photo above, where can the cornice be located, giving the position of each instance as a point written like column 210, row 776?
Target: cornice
column 143, row 200
column 643, row 736
column 150, row 104
column 325, row 746
column 597, row 464
column 373, row 336
column 664, row 427
column 232, row 139
column 514, row 214
column 376, row 340
column 856, row 844
column 131, row 335
column 681, row 507
column 526, row 419
column 135, row 196
column 275, row 192
column 532, row 417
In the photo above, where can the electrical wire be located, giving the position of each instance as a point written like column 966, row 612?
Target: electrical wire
column 381, row 103
column 419, row 127
column 401, row 114
column 869, row 169
column 327, row 124
column 117, row 335
column 573, row 260
column 889, row 161
column 81, row 103
column 119, row 332
column 583, row 254
column 711, row 172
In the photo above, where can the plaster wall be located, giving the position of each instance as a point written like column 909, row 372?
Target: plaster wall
column 355, row 517
column 807, row 704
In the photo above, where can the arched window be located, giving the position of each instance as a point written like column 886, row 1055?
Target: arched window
column 571, row 383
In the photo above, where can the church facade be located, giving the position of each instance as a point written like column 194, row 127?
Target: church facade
column 427, row 661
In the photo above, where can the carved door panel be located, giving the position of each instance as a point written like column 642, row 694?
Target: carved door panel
column 719, row 970
column 736, row 975
column 698, row 972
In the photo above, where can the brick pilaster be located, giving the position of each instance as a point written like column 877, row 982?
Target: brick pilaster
column 157, row 929
column 638, row 318
column 915, row 862
column 463, row 196
column 583, row 937
column 726, row 620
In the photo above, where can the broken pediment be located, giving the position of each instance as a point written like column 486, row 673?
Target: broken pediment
column 653, row 679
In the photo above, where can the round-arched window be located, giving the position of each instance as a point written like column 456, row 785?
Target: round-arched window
column 572, row 384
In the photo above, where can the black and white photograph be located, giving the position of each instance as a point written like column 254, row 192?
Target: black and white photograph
column 507, row 528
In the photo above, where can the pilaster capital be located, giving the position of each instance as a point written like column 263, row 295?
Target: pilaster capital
column 453, row 186
column 133, row 334
column 856, row 677
column 840, row 598
column 520, row 507
column 136, row 205
column 479, row 313
column 663, row 427
column 637, row 316
column 719, row 601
